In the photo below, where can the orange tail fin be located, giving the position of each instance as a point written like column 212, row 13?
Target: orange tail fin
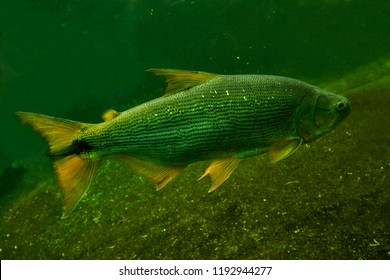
column 74, row 173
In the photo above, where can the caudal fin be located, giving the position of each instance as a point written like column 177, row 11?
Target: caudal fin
column 74, row 173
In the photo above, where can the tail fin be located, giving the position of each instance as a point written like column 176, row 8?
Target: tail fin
column 74, row 173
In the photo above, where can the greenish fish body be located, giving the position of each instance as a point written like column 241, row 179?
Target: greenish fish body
column 203, row 116
column 223, row 117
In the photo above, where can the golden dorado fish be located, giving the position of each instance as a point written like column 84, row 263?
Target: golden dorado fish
column 202, row 116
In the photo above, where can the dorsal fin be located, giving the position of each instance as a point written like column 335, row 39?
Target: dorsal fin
column 179, row 80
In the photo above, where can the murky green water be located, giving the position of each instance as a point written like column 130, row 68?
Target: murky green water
column 74, row 59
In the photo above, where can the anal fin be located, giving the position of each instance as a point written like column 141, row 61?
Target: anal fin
column 219, row 170
column 159, row 174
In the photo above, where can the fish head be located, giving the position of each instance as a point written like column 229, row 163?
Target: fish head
column 320, row 112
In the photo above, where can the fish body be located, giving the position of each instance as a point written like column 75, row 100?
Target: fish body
column 220, row 118
column 203, row 116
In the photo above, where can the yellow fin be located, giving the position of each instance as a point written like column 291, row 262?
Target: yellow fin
column 159, row 174
column 58, row 132
column 109, row 114
column 180, row 80
column 219, row 170
column 74, row 175
column 283, row 149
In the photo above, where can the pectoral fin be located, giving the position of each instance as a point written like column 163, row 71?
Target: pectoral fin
column 159, row 174
column 283, row 149
column 219, row 170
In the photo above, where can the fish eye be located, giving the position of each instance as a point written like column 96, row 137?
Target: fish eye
column 340, row 105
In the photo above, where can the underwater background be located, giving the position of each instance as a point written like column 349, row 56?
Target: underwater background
column 75, row 59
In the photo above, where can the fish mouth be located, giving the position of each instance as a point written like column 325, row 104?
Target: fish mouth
column 338, row 119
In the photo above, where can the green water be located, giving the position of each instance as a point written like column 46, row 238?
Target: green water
column 74, row 59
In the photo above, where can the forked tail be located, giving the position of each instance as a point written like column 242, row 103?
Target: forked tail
column 74, row 173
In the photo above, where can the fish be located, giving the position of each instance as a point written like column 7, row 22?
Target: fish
column 201, row 117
